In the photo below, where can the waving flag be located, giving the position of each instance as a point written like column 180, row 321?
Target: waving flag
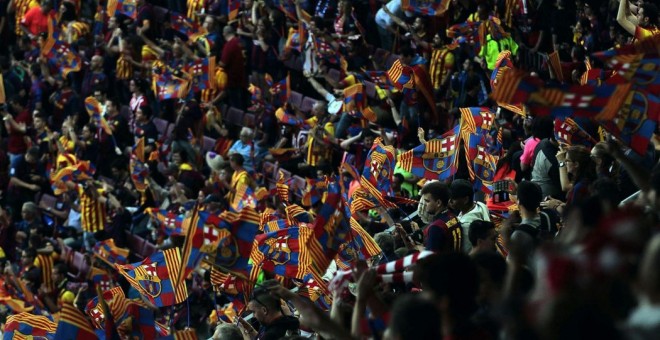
column 280, row 252
column 378, row 171
column 567, row 131
column 143, row 318
column 101, row 278
column 201, row 72
column 596, row 102
column 125, row 7
column 555, row 64
column 117, row 305
column 107, row 251
column 380, row 79
column 155, row 278
column 640, row 69
column 401, row 76
column 481, row 163
column 476, row 120
column 282, row 89
column 171, row 223
column 183, row 24
column 26, row 325
column 359, row 246
column 73, row 324
column 355, row 100
column 316, row 291
column 503, row 64
column 436, row 159
column 138, row 168
column 95, row 112
column 243, row 198
column 636, row 122
column 426, row 7
column 172, row 87
column 59, row 52
column 233, row 251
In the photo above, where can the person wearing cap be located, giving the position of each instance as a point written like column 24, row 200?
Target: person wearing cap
column 461, row 201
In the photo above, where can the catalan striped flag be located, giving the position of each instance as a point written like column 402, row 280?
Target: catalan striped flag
column 95, row 112
column 503, row 64
column 567, row 131
column 281, row 252
column 359, row 246
column 378, row 171
column 201, row 72
column 426, row 7
column 355, row 100
column 171, row 223
column 138, row 168
column 156, row 278
column 29, row 326
column 183, row 25
column 481, row 163
column 476, row 120
column 555, row 64
column 296, row 214
column 316, row 290
column 401, row 76
column 117, row 305
column 243, row 198
column 73, row 324
column 436, row 159
column 107, row 251
column 101, row 278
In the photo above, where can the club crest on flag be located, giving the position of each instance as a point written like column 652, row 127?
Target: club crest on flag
column 435, row 162
column 483, row 165
column 148, row 279
column 633, row 113
column 279, row 251
column 227, row 252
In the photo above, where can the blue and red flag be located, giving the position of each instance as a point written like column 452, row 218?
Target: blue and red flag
column 171, row 223
column 156, row 278
column 73, row 324
column 101, row 278
column 233, row 7
column 117, row 305
column 569, row 132
column 481, row 163
column 183, row 25
column 58, row 51
column 435, row 159
column 380, row 79
column 233, row 251
column 125, row 7
column 281, row 252
column 378, row 171
column 355, row 100
column 476, row 120
column 503, row 64
column 139, row 169
column 636, row 122
column 27, row 325
column 143, row 321
column 282, row 90
column 201, row 73
column 640, row 69
column 596, row 102
column 401, row 77
column 426, row 7
column 107, row 251
column 95, row 111
column 325, row 51
column 286, row 117
column 359, row 246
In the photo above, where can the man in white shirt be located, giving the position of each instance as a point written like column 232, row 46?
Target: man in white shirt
column 461, row 201
column 385, row 23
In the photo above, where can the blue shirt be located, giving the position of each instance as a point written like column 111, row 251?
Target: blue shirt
column 244, row 150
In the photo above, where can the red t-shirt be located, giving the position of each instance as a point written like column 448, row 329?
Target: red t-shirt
column 35, row 21
column 16, row 140
column 234, row 63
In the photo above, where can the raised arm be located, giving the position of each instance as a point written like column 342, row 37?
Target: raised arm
column 628, row 22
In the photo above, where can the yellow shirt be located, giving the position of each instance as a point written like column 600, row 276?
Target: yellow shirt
column 442, row 61
column 641, row 32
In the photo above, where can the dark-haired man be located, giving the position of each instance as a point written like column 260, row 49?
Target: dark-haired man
column 444, row 233
column 274, row 324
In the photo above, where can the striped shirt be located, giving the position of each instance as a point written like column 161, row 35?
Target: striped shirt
column 22, row 6
column 45, row 263
column 194, row 6
column 220, row 82
column 442, row 62
column 92, row 211
column 124, row 68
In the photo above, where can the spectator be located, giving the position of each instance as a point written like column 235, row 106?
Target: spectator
column 483, row 237
column 35, row 21
column 444, row 233
column 461, row 201
column 274, row 323
column 232, row 60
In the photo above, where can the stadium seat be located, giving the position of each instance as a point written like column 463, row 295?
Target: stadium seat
column 161, row 126
column 334, row 75
column 234, row 116
column 208, row 145
column 370, row 89
column 295, row 99
column 135, row 244
column 249, row 120
column 307, row 104
column 80, row 266
column 390, row 60
column 148, row 249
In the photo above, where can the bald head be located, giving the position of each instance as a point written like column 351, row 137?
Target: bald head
column 228, row 31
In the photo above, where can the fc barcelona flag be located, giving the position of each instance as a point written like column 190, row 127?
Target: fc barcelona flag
column 199, row 71
column 425, row 7
column 169, row 222
column 101, row 278
column 354, row 99
column 117, row 305
column 125, row 7
column 636, row 122
column 139, row 170
column 95, row 112
column 589, row 101
column 378, row 171
column 640, row 69
column 282, row 89
column 359, row 246
column 233, row 250
column 73, row 324
column 567, row 131
column 481, row 163
column 380, row 79
column 436, row 159
column 401, row 76
column 233, row 6
column 293, row 40
column 172, row 87
column 502, row 65
column 59, row 52
column 281, row 252
column 29, row 326
column 476, row 120
column 107, row 251
column 183, row 25
column 555, row 64
column 155, row 278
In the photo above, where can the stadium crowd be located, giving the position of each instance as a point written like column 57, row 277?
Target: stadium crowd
column 335, row 169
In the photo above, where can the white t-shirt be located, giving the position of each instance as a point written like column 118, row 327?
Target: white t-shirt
column 383, row 20
column 479, row 212
column 334, row 104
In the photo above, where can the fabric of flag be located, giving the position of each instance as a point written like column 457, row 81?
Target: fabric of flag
column 28, row 326
column 243, row 198
column 325, row 51
column 640, row 69
column 316, row 291
column 378, row 171
column 293, row 40
column 401, row 76
column 232, row 286
column 426, row 7
column 481, row 163
column 380, row 79
column 636, row 122
column 435, row 159
column 171, row 223
column 95, row 112
column 143, row 325
column 172, row 87
column 285, row 117
column 156, row 277
column 73, row 324
column 360, row 200
column 183, row 25
column 296, row 214
column 233, row 6
column 107, row 251
column 282, row 187
column 313, row 192
column 233, row 251
column 125, row 7
column 59, row 52
column 567, row 131
column 282, row 89
column 78, row 172
column 280, row 252
column 596, row 102
column 476, row 120
column 503, row 64
column 359, row 246
column 101, row 277
column 555, row 64
column 117, row 305
column 138, row 168
column 201, row 73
